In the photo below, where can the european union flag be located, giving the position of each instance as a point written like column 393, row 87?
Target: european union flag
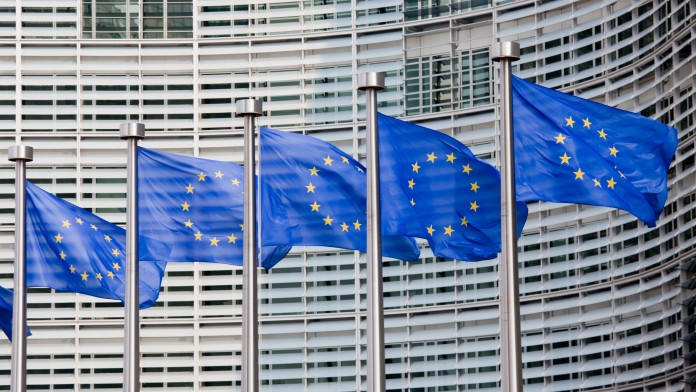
column 6, row 312
column 438, row 190
column 71, row 249
column 572, row 150
column 312, row 193
column 197, row 206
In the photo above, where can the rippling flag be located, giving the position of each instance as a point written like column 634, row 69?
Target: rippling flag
column 197, row 206
column 6, row 312
column 312, row 193
column 572, row 150
column 71, row 249
column 438, row 190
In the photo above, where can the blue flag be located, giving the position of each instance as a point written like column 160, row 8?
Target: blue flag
column 71, row 249
column 197, row 206
column 6, row 312
column 438, row 190
column 312, row 193
column 572, row 150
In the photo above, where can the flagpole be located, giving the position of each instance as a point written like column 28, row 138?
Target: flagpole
column 510, row 331
column 132, row 132
column 20, row 155
column 250, row 109
column 371, row 82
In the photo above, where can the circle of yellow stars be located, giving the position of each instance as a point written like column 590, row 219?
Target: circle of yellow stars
column 186, row 207
column 565, row 159
column 451, row 158
column 85, row 275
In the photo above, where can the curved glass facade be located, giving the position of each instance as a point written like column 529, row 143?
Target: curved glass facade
column 606, row 301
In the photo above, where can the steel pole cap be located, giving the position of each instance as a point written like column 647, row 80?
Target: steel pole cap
column 132, row 130
column 249, row 107
column 369, row 80
column 20, row 153
column 505, row 50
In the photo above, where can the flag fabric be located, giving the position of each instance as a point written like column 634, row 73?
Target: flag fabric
column 572, row 150
column 197, row 206
column 313, row 193
column 6, row 301
column 437, row 189
column 71, row 249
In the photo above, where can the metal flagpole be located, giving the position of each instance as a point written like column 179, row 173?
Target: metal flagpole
column 371, row 82
column 20, row 155
column 132, row 132
column 250, row 109
column 510, row 334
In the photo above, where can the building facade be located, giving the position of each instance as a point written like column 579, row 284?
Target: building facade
column 606, row 301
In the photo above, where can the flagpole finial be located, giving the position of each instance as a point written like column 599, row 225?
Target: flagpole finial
column 505, row 50
column 132, row 130
column 246, row 107
column 369, row 80
column 20, row 153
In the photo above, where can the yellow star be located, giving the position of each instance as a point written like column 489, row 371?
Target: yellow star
column 218, row 174
column 235, row 182
column 613, row 151
column 475, row 187
column 84, row 275
column 344, row 159
column 328, row 160
column 189, row 188
column 449, row 230
column 66, row 223
column 344, row 226
column 465, row 222
column 411, row 183
column 611, row 183
column 188, row 223
column 115, row 266
column 569, row 122
column 565, row 159
column 310, row 187
column 415, row 167
column 432, row 157
column 451, row 158
column 467, row 169
column 313, row 171
column 99, row 276
column 232, row 239
column 80, row 221
column 185, row 206
column 62, row 255
column 560, row 139
column 586, row 123
column 115, row 252
column 107, row 238
column 93, row 227
column 596, row 182
column 579, row 174
column 72, row 269
column 413, row 203
column 358, row 168
column 430, row 230
column 241, row 227
column 621, row 174
column 327, row 221
column 214, row 241
column 58, row 238
column 315, row 206
column 198, row 236
column 110, row 274
column 474, row 206
column 602, row 134
column 356, row 225
column 201, row 176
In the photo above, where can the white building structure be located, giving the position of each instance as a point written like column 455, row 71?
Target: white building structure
column 606, row 301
